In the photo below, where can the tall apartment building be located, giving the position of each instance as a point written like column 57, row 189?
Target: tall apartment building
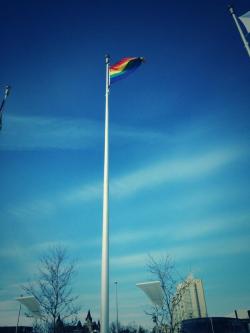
column 192, row 303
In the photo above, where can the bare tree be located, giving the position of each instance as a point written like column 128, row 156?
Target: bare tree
column 173, row 287
column 53, row 289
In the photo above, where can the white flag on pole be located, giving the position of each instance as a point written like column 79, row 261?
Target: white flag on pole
column 245, row 19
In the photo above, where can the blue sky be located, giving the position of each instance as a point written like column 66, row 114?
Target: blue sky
column 179, row 147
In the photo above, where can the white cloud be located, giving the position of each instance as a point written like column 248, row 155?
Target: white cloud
column 85, row 193
column 159, row 173
column 191, row 250
column 9, row 312
column 135, row 235
column 205, row 227
column 131, row 260
column 37, row 132
column 32, row 209
column 30, row 132
column 8, row 305
column 13, row 250
column 172, row 171
column 184, row 230
column 148, row 177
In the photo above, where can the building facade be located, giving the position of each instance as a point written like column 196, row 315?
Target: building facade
column 192, row 303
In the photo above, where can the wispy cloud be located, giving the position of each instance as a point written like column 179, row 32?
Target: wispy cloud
column 85, row 193
column 205, row 227
column 41, row 208
column 12, row 251
column 9, row 309
column 33, row 250
column 39, row 133
column 148, row 177
column 201, row 249
column 185, row 230
column 30, row 132
column 189, row 251
column 7, row 305
column 176, row 170
column 44, row 132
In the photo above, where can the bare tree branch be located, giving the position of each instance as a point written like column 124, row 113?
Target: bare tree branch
column 53, row 288
column 164, row 270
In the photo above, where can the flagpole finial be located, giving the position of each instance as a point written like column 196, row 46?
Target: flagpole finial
column 107, row 58
column 7, row 89
column 231, row 9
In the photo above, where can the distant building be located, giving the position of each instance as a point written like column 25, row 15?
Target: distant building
column 192, row 303
column 89, row 326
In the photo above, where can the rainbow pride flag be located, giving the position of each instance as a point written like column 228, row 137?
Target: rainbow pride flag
column 124, row 67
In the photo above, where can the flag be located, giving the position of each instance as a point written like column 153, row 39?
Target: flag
column 124, row 67
column 245, row 19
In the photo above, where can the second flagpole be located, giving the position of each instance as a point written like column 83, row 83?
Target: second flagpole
column 243, row 38
column 6, row 94
column 105, row 219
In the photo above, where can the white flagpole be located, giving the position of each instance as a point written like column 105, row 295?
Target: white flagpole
column 105, row 219
column 244, row 40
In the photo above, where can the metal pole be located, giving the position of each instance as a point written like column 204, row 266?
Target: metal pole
column 212, row 326
column 18, row 317
column 116, row 301
column 105, row 220
column 6, row 94
column 231, row 10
